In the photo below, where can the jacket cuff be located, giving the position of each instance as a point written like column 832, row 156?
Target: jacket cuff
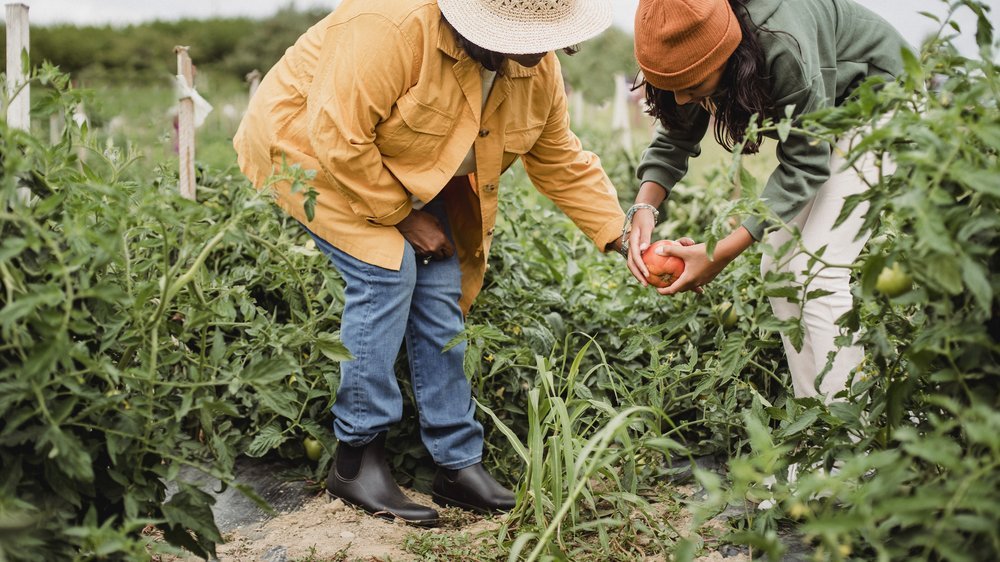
column 756, row 227
column 660, row 177
column 393, row 218
column 611, row 231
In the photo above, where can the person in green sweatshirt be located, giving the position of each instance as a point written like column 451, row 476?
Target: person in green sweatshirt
column 726, row 63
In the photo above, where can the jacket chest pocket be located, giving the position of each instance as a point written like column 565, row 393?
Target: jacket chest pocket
column 412, row 127
column 519, row 141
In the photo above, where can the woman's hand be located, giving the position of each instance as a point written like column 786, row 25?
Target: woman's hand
column 699, row 269
column 424, row 232
column 643, row 221
column 638, row 241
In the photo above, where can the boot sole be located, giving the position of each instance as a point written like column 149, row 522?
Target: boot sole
column 445, row 501
column 388, row 516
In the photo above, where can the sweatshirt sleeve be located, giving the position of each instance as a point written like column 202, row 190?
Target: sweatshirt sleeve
column 665, row 161
column 803, row 162
column 572, row 177
column 355, row 87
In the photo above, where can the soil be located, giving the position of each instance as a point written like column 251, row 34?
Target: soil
column 321, row 530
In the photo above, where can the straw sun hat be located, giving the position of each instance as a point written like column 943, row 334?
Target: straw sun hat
column 520, row 27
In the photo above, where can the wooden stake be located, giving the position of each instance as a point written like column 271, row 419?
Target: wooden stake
column 620, row 120
column 576, row 107
column 56, row 125
column 253, row 78
column 185, row 126
column 19, row 110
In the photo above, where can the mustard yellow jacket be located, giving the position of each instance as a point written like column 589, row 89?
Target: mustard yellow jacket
column 379, row 101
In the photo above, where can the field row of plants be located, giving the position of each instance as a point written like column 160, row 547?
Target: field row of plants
column 141, row 334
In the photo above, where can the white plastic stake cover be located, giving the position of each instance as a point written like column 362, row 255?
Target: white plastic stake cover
column 201, row 106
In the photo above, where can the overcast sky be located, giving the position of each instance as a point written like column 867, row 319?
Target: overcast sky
column 902, row 13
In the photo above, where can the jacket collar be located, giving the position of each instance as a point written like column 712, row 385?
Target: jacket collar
column 446, row 44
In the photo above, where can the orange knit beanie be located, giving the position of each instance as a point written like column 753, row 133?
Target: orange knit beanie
column 680, row 42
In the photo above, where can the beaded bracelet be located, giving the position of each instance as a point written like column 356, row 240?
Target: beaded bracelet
column 626, row 227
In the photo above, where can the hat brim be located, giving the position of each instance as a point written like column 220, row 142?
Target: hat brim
column 586, row 19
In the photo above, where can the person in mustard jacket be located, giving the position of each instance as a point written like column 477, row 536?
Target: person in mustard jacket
column 738, row 60
column 408, row 112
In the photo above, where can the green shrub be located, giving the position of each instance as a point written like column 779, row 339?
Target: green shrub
column 910, row 462
column 143, row 333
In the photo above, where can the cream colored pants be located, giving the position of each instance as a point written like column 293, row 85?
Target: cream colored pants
column 819, row 315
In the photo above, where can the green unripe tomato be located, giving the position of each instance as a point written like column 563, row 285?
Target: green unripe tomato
column 313, row 448
column 727, row 314
column 893, row 281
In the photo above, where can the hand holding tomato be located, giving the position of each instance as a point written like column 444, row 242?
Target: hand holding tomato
column 638, row 240
column 650, row 267
column 699, row 268
column 662, row 270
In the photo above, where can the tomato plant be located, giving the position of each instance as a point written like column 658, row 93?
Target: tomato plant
column 143, row 333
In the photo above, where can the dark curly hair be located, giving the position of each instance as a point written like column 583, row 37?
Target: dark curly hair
column 491, row 60
column 744, row 92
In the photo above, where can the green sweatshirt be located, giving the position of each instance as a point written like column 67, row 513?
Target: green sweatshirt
column 816, row 53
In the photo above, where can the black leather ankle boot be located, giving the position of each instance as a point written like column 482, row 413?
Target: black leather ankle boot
column 372, row 487
column 471, row 488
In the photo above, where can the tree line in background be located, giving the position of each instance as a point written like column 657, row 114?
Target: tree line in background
column 236, row 46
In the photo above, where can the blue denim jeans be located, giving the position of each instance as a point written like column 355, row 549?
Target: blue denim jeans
column 418, row 304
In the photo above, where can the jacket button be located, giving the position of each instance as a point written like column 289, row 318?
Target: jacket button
column 489, row 232
column 484, row 132
column 490, row 188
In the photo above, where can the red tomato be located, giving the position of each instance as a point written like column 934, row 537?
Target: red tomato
column 662, row 269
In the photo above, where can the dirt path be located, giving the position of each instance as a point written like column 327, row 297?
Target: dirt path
column 323, row 530
column 328, row 530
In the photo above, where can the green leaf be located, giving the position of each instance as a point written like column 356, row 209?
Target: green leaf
column 975, row 278
column 12, row 247
column 331, row 347
column 932, row 448
column 309, row 204
column 39, row 297
column 664, row 445
column 733, row 356
column 976, row 179
column 930, row 15
column 912, row 66
column 264, row 372
column 280, row 401
column 266, row 440
column 800, row 423
column 784, row 127
column 67, row 452
column 191, row 508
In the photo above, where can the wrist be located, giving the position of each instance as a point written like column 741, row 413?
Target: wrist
column 618, row 246
column 652, row 193
column 627, row 226
column 730, row 247
column 639, row 207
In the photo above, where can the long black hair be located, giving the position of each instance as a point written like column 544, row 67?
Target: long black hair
column 491, row 60
column 744, row 92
